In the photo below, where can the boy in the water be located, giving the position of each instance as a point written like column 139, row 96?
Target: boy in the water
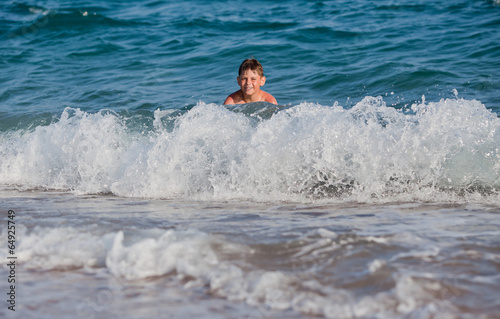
column 251, row 78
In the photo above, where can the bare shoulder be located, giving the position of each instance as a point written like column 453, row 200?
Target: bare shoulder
column 269, row 98
column 234, row 98
column 229, row 100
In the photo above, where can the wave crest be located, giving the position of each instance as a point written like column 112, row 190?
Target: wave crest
column 307, row 152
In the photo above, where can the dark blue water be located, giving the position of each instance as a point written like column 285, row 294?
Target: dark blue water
column 131, row 55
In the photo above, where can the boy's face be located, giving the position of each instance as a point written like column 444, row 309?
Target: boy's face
column 250, row 82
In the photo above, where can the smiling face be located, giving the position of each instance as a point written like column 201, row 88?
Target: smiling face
column 250, row 83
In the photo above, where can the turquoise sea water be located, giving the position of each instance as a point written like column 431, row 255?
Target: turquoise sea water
column 144, row 55
column 370, row 191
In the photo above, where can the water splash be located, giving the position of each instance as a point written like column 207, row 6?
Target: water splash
column 369, row 152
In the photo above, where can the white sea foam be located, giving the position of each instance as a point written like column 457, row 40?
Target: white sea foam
column 184, row 252
column 446, row 150
column 60, row 248
column 197, row 259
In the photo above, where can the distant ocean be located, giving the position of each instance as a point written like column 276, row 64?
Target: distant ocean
column 372, row 190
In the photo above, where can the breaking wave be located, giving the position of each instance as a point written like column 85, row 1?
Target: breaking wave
column 445, row 150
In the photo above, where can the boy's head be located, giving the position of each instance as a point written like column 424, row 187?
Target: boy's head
column 251, row 77
column 251, row 64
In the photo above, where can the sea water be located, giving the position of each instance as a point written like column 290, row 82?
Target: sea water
column 370, row 191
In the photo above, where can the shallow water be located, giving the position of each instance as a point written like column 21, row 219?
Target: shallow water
column 370, row 191
column 108, row 256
